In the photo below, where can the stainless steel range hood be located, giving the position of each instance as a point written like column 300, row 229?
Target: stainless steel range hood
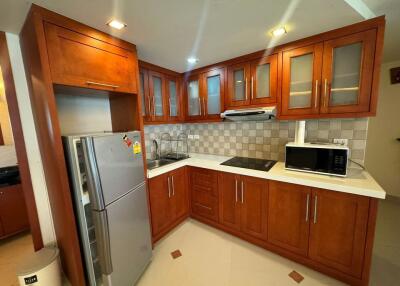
column 250, row 114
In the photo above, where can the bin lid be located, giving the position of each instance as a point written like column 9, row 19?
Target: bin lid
column 37, row 261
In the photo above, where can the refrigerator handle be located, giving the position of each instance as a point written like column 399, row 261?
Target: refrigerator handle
column 100, row 221
column 92, row 174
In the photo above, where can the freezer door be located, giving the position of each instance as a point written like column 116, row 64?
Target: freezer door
column 130, row 238
column 113, row 166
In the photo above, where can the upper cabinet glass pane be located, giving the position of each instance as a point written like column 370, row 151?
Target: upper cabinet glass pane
column 194, row 99
column 346, row 74
column 173, row 98
column 214, row 95
column 301, row 75
column 142, row 94
column 262, row 80
column 239, row 85
column 157, row 87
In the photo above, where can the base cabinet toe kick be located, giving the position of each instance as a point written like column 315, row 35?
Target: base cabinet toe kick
column 329, row 231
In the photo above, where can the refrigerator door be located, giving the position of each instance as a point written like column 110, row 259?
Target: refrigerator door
column 127, row 229
column 114, row 166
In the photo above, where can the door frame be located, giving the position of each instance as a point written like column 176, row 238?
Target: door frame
column 19, row 142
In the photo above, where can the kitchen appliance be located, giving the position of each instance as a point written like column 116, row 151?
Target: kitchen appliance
column 250, row 163
column 108, row 183
column 250, row 114
column 327, row 159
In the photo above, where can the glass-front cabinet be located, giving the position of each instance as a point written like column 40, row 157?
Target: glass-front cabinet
column 144, row 94
column 301, row 80
column 253, row 83
column 174, row 98
column 205, row 95
column 157, row 95
column 347, row 73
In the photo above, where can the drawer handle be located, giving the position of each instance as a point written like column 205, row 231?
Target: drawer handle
column 203, row 206
column 101, row 84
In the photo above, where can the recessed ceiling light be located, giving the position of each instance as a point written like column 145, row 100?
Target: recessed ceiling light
column 116, row 24
column 192, row 60
column 279, row 32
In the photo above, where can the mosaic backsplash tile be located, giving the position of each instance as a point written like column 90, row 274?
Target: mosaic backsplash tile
column 264, row 139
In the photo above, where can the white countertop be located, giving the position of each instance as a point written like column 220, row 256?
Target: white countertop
column 8, row 156
column 357, row 182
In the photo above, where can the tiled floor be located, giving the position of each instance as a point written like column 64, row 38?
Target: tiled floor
column 12, row 250
column 211, row 257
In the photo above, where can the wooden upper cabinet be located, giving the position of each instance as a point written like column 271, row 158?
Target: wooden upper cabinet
column 338, row 230
column 145, row 94
column 174, row 104
column 158, row 99
column 205, row 95
column 301, row 80
column 253, row 83
column 347, row 71
column 288, row 216
column 81, row 60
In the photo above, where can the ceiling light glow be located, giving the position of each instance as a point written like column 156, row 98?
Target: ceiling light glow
column 192, row 60
column 279, row 32
column 116, row 24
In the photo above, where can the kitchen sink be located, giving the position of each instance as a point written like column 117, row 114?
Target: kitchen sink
column 152, row 164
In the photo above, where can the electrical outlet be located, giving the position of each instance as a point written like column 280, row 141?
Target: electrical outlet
column 191, row 136
column 196, row 136
column 343, row 142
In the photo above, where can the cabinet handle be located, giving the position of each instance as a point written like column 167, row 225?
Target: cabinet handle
column 315, row 209
column 307, row 206
column 200, row 106
column 204, row 106
column 169, row 189
column 316, row 94
column 252, row 87
column 154, row 106
column 242, row 199
column 203, row 206
column 236, row 190
column 245, row 88
column 326, row 93
column 170, row 110
column 101, row 84
column 173, row 187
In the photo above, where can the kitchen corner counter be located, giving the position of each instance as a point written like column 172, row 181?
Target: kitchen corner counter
column 357, row 182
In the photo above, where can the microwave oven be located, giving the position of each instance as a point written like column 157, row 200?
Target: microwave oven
column 327, row 159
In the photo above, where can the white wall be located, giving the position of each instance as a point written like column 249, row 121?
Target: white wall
column 32, row 147
column 383, row 151
column 4, row 116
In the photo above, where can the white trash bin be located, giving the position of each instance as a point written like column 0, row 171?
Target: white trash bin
column 42, row 268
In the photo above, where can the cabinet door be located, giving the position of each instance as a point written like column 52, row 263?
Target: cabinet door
column 253, row 212
column 288, row 216
column 180, row 200
column 174, row 100
column 160, row 203
column 193, row 98
column 144, row 94
column 301, row 80
column 13, row 213
column 338, row 230
column 157, row 95
column 229, row 204
column 80, row 60
column 264, row 79
column 238, row 85
column 347, row 73
column 213, row 93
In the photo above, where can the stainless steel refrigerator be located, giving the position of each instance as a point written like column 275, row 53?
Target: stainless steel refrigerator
column 107, row 177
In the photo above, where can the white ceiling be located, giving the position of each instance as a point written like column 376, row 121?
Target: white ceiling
column 168, row 32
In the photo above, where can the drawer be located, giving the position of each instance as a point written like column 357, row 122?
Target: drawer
column 204, row 205
column 203, row 180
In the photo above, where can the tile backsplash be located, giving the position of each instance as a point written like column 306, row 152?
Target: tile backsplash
column 263, row 139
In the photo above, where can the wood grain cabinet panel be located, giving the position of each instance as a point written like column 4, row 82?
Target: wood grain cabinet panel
column 179, row 185
column 229, row 204
column 13, row 215
column 288, row 216
column 338, row 230
column 81, row 60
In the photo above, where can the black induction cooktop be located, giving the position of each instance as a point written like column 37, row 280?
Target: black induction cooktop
column 250, row 163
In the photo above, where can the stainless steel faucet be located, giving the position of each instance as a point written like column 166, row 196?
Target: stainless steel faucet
column 155, row 155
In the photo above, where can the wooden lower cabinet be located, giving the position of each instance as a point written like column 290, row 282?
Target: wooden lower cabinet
column 13, row 215
column 288, row 216
column 169, row 202
column 243, row 204
column 338, row 230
